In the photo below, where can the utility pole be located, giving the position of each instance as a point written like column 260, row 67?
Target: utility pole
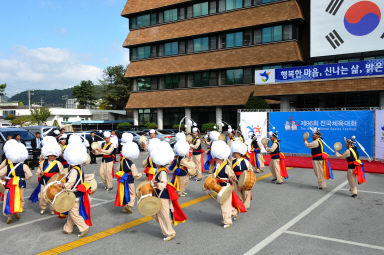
column 29, row 99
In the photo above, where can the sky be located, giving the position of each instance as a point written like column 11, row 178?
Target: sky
column 54, row 44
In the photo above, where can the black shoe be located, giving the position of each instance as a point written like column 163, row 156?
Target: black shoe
column 105, row 188
column 354, row 195
column 274, row 180
column 320, row 188
column 110, row 189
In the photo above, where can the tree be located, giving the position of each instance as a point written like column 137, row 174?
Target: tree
column 56, row 123
column 24, row 120
column 207, row 127
column 116, row 88
column 150, row 125
column 40, row 115
column 85, row 94
column 2, row 89
column 256, row 102
column 123, row 125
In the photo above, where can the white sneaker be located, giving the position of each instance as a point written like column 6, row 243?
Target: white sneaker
column 168, row 238
column 42, row 212
column 227, row 225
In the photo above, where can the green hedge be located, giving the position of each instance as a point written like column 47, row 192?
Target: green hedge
column 123, row 124
column 176, row 126
column 151, row 125
column 207, row 127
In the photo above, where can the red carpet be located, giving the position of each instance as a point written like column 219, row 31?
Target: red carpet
column 336, row 164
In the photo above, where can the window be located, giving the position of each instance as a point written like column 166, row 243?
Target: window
column 257, row 36
column 171, row 81
column 143, row 52
column 247, row 38
column 171, row 49
column 182, row 11
column 221, row 5
column 182, row 47
column 201, row 79
column 154, row 83
column 212, row 6
column 247, row 3
column 200, row 9
column 133, row 53
column 133, row 22
column 272, row 34
column 160, row 50
column 200, row 44
column 190, row 46
column 143, row 20
column 189, row 12
column 147, row 115
column 143, row 84
column 233, row 4
column 234, row 39
column 213, row 80
column 153, row 51
column 170, row 15
column 161, row 17
column 65, row 119
column 212, row 43
column 153, row 18
column 234, row 76
column 287, row 32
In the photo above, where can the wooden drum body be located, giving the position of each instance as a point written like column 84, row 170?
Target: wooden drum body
column 223, row 192
column 247, row 180
column 148, row 204
column 62, row 201
column 2, row 186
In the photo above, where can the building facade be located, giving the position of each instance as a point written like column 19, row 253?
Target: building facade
column 199, row 58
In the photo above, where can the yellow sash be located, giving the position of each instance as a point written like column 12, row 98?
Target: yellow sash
column 237, row 162
column 50, row 167
column 222, row 166
column 106, row 145
column 355, row 156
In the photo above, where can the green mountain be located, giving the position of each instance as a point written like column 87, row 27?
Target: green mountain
column 50, row 98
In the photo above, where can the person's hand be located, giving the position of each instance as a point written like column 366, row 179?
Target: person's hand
column 305, row 139
column 98, row 149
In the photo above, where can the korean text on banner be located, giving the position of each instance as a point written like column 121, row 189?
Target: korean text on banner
column 334, row 126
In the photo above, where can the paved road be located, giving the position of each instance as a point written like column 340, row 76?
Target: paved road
column 294, row 218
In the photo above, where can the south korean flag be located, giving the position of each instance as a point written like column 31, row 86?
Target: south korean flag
column 346, row 26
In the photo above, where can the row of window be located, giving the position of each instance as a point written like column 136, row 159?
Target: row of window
column 191, row 11
column 346, row 60
column 198, row 79
column 217, row 41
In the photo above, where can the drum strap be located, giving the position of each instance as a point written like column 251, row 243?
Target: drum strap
column 13, row 169
column 222, row 166
column 54, row 199
column 148, row 195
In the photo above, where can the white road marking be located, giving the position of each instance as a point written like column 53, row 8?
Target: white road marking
column 46, row 218
column 289, row 224
column 94, row 198
column 366, row 191
column 335, row 240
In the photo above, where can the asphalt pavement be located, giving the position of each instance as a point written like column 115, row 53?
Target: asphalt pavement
column 293, row 218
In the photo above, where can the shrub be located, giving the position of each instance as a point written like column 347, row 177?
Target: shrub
column 207, row 127
column 150, row 125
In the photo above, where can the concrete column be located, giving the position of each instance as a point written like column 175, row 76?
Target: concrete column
column 381, row 99
column 160, row 118
column 136, row 117
column 284, row 103
column 219, row 117
column 188, row 113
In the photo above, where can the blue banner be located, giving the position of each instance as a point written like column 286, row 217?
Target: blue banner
column 330, row 71
column 334, row 126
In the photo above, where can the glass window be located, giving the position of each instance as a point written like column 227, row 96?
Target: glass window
column 200, row 9
column 212, row 6
column 287, row 32
column 133, row 52
column 257, row 36
column 182, row 13
column 182, row 81
column 201, row 79
column 153, row 18
column 160, row 50
column 247, row 3
column 133, row 22
column 171, row 49
column 233, row 4
column 189, row 12
column 267, row 35
column 171, row 81
column 222, row 41
column 154, row 84
column 161, row 17
column 200, row 44
column 143, row 84
column 234, row 76
column 143, row 20
column 143, row 52
column 221, row 5
column 213, row 79
column 247, row 38
column 247, row 76
column 234, row 39
column 190, row 46
column 182, row 47
column 170, row 15
column 277, row 33
column 153, row 51
column 212, row 43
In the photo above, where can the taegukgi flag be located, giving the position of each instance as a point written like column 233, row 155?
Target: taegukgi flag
column 346, row 26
